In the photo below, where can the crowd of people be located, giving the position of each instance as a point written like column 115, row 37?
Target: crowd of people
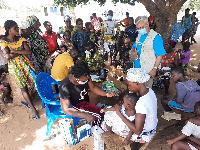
column 69, row 53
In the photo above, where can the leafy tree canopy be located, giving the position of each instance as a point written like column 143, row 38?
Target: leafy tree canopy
column 193, row 5
column 74, row 3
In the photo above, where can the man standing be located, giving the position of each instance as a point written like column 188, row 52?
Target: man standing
column 125, row 21
column 148, row 48
column 108, row 33
column 131, row 31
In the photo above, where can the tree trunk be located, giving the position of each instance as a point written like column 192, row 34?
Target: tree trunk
column 164, row 13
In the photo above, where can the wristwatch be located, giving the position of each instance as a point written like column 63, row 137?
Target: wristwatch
column 156, row 68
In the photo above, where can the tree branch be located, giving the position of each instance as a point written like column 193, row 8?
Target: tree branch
column 176, row 5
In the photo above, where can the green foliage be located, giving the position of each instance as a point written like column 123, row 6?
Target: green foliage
column 193, row 5
column 74, row 3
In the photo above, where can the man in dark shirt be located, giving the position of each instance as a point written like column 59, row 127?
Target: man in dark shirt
column 131, row 31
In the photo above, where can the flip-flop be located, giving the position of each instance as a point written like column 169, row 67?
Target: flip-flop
column 25, row 104
column 35, row 117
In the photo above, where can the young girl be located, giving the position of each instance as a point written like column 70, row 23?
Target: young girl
column 91, row 33
column 5, row 87
column 190, row 137
column 185, row 55
column 114, row 124
column 67, row 40
column 80, row 36
column 187, row 92
column 15, row 48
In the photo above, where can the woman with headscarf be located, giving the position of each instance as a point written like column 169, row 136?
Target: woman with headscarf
column 145, row 124
column 169, row 60
column 25, row 32
column 37, row 43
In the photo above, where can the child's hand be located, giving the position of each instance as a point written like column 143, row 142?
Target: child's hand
column 111, row 94
column 170, row 142
column 126, row 141
column 102, row 110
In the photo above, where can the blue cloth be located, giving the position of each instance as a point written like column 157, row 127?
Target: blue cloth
column 157, row 46
column 79, row 39
column 177, row 30
column 132, row 33
column 172, row 104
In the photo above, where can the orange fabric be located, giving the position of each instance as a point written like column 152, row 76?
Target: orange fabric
column 166, row 61
column 125, row 22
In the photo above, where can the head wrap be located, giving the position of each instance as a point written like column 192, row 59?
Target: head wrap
column 67, row 17
column 137, row 75
column 172, row 43
column 23, row 25
column 31, row 20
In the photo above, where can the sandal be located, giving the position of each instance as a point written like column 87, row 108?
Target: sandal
column 35, row 117
column 25, row 104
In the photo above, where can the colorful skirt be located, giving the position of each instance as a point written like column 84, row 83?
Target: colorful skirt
column 18, row 69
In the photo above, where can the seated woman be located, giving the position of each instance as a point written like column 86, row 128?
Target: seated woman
column 171, row 59
column 187, row 92
column 74, row 90
column 144, row 126
column 190, row 137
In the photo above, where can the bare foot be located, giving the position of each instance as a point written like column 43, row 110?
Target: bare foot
column 107, row 134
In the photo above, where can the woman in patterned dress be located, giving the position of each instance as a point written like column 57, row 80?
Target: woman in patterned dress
column 37, row 43
column 15, row 48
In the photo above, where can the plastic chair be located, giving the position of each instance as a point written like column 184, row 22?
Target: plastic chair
column 44, row 84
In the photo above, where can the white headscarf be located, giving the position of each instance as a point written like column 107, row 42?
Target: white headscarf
column 23, row 25
column 67, row 17
column 137, row 75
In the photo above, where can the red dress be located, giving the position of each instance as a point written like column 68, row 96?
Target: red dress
column 166, row 61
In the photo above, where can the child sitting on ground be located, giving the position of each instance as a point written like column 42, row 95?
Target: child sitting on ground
column 67, row 40
column 187, row 92
column 190, row 137
column 5, row 87
column 185, row 55
column 114, row 124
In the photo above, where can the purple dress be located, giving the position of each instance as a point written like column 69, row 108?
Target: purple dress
column 188, row 93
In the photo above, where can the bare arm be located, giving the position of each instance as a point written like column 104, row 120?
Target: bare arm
column 172, row 141
column 65, row 105
column 128, row 137
column 136, row 127
column 152, row 73
column 24, row 51
column 99, row 91
column 195, row 140
column 176, row 60
column 107, row 109
column 8, row 55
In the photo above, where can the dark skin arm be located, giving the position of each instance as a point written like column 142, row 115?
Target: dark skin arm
column 176, row 60
column 24, row 51
column 181, row 54
column 127, row 139
column 8, row 55
column 100, row 92
column 65, row 105
column 136, row 127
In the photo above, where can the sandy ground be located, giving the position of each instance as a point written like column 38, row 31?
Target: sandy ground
column 18, row 131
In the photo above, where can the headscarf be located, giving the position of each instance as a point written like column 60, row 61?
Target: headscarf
column 137, row 75
column 67, row 17
column 172, row 43
column 31, row 20
column 23, row 25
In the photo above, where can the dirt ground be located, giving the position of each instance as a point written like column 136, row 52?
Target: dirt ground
column 18, row 131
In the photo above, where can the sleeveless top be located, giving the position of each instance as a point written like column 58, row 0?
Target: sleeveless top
column 187, row 22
